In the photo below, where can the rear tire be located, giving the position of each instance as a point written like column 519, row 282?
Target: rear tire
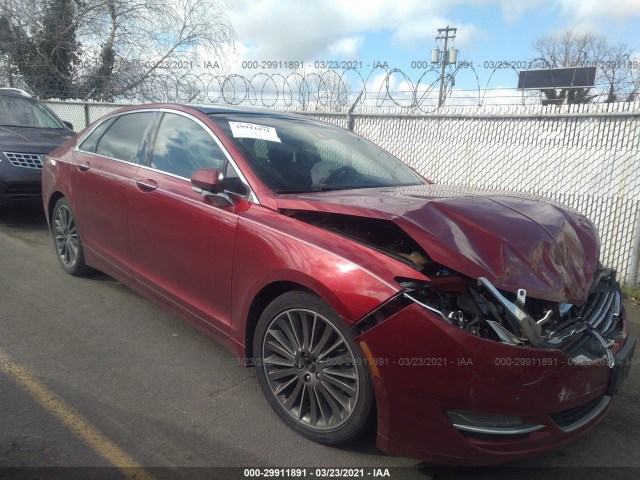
column 311, row 371
column 66, row 239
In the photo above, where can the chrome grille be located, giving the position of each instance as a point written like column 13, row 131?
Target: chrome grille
column 602, row 311
column 26, row 160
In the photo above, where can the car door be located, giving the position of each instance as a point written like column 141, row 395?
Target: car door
column 181, row 243
column 106, row 161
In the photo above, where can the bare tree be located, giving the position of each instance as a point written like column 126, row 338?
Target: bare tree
column 634, row 79
column 617, row 73
column 132, row 47
column 46, row 50
column 583, row 49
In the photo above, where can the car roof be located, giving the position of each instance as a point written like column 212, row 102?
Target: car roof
column 217, row 109
column 236, row 109
column 14, row 92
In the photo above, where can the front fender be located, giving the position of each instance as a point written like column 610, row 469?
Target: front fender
column 271, row 247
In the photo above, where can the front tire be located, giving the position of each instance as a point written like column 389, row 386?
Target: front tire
column 311, row 371
column 66, row 239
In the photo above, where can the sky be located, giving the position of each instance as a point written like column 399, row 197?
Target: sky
column 399, row 33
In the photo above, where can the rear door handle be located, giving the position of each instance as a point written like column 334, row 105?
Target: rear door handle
column 146, row 185
column 83, row 167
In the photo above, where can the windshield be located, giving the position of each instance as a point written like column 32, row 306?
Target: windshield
column 291, row 155
column 24, row 112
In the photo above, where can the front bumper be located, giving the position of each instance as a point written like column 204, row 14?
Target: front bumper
column 20, row 182
column 423, row 367
column 21, row 190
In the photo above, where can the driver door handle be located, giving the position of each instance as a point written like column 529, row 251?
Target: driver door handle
column 146, row 185
column 83, row 167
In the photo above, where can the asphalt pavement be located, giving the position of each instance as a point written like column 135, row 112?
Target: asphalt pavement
column 92, row 376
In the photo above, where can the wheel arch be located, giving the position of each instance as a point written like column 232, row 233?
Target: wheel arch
column 53, row 199
column 264, row 297
column 290, row 280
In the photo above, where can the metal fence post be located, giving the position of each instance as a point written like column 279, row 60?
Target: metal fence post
column 85, row 106
column 350, row 119
column 634, row 268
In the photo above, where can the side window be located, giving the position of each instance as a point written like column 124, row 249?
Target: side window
column 90, row 143
column 182, row 147
column 123, row 138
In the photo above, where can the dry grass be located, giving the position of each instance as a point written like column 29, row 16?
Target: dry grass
column 632, row 293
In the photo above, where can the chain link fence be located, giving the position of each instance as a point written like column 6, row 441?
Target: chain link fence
column 587, row 157
column 584, row 156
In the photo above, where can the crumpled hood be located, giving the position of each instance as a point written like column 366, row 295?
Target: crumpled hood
column 514, row 240
column 32, row 140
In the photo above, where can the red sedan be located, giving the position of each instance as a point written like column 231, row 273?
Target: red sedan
column 468, row 327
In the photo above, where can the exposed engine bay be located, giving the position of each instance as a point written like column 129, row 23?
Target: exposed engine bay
column 478, row 307
column 482, row 310
column 381, row 235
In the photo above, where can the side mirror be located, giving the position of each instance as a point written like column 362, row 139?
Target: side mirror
column 69, row 125
column 209, row 182
column 206, row 180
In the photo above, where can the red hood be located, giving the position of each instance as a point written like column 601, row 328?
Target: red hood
column 516, row 241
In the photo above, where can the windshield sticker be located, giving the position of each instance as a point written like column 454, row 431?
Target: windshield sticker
column 252, row 130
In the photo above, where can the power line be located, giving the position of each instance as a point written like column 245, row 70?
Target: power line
column 446, row 59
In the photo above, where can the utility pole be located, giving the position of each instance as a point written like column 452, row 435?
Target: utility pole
column 448, row 57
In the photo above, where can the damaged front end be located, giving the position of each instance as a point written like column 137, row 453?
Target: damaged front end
column 482, row 310
column 587, row 331
column 505, row 296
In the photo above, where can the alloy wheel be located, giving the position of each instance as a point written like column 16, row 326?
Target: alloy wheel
column 66, row 236
column 311, row 369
